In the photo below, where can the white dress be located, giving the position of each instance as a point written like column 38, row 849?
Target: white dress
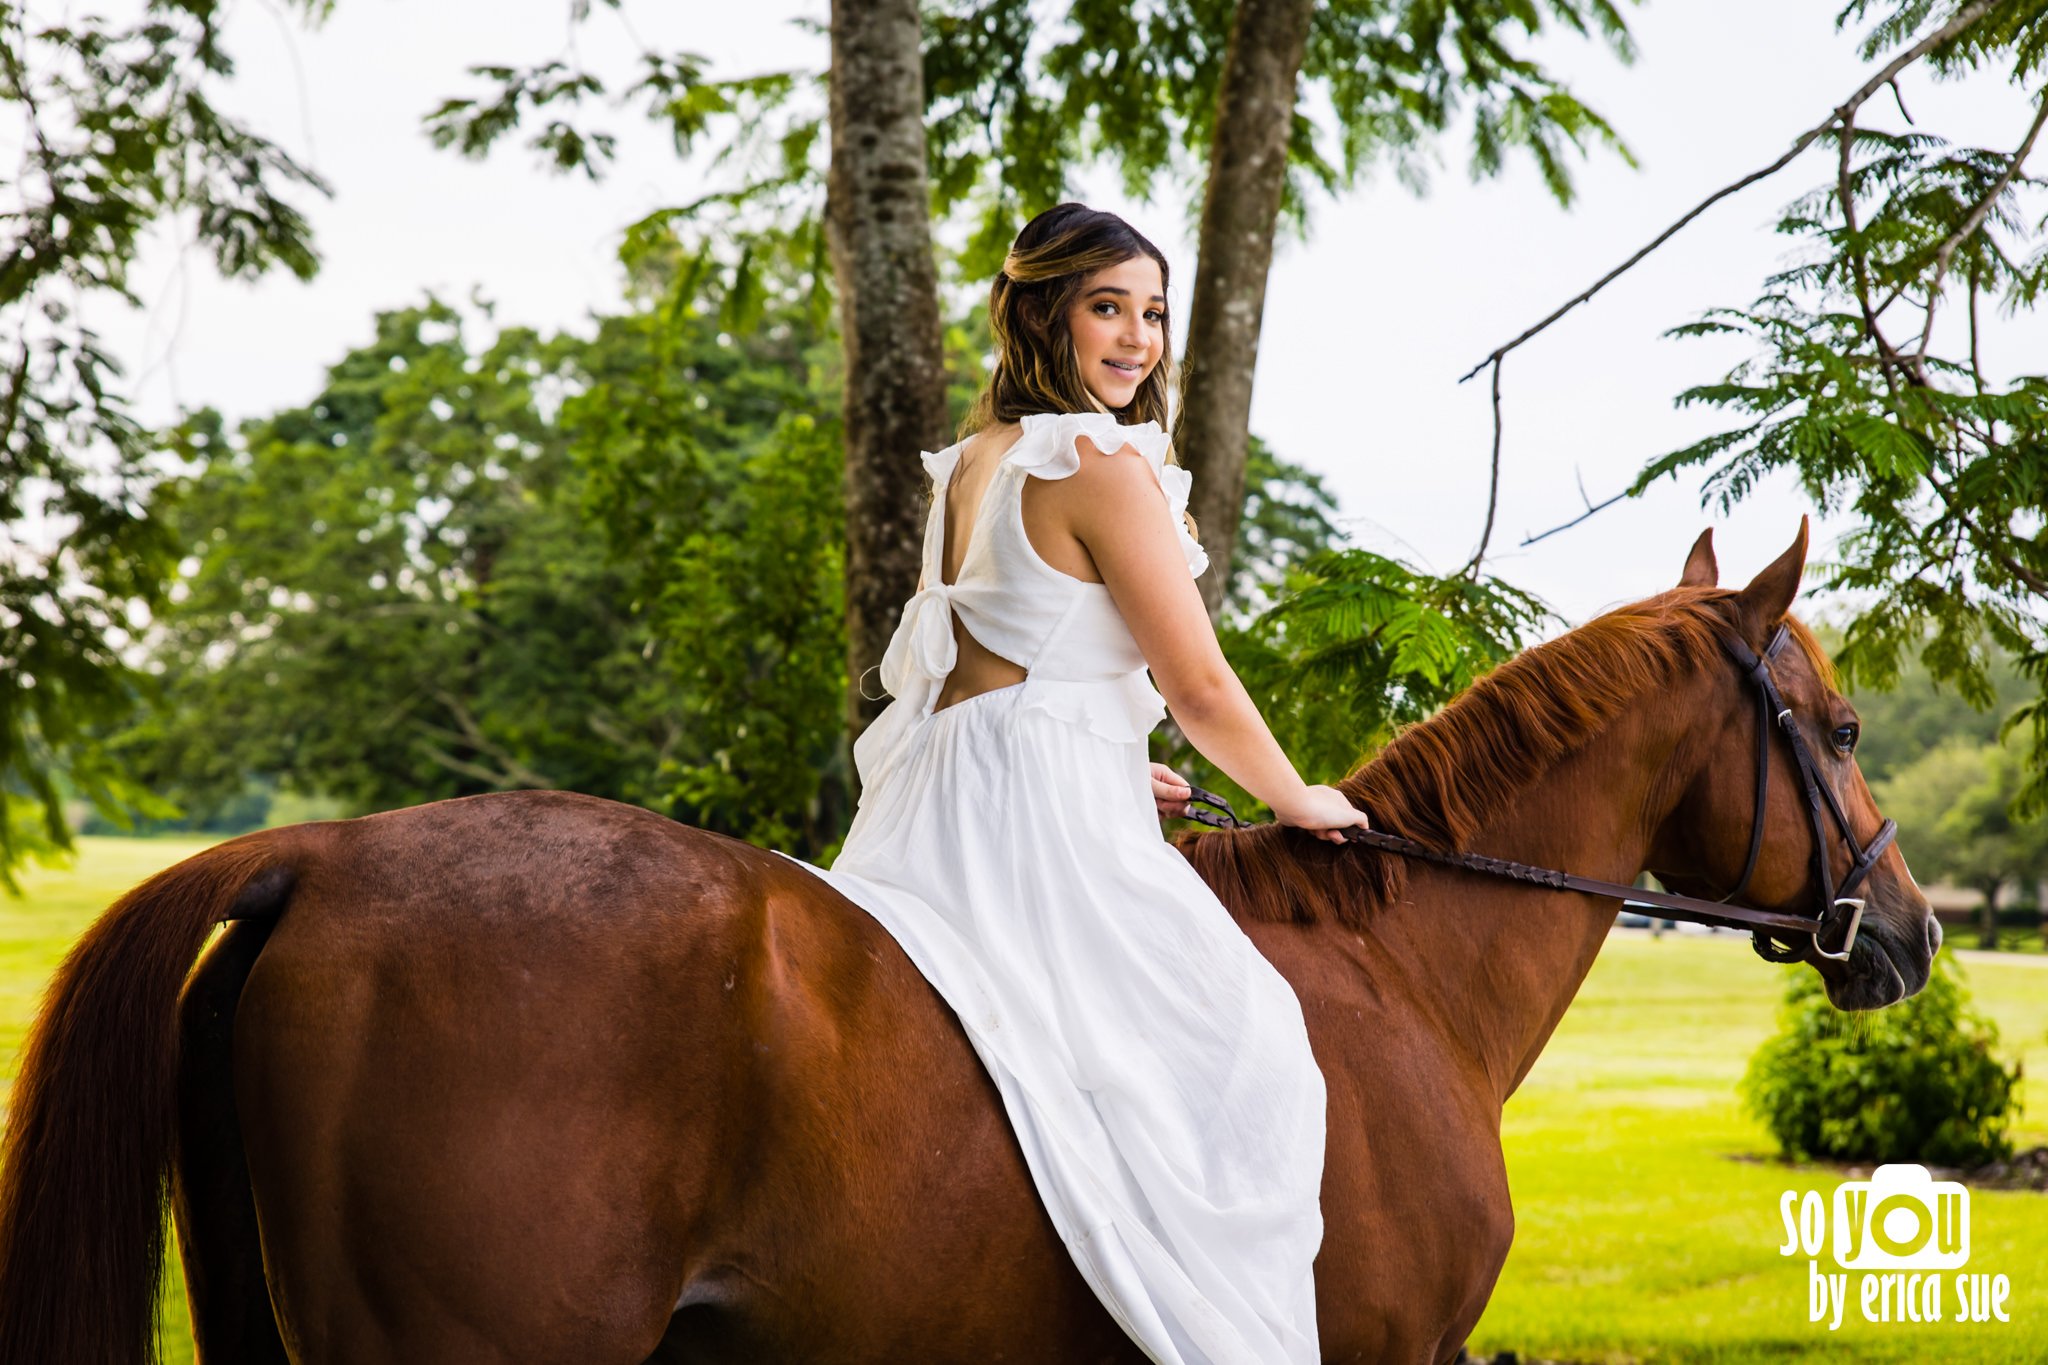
column 1154, row 1065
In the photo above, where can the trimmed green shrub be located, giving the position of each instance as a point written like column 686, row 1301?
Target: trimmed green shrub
column 1913, row 1082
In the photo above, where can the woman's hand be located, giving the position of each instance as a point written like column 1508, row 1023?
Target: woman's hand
column 1169, row 792
column 1324, row 812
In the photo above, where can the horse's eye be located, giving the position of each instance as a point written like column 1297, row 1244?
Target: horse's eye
column 1845, row 738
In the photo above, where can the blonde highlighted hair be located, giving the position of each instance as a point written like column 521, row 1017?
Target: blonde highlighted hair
column 1036, row 368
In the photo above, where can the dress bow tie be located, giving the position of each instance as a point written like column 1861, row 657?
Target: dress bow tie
column 923, row 643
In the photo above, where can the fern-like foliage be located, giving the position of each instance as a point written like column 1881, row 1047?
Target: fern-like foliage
column 1357, row 645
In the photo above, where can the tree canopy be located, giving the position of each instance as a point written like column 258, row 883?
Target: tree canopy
column 608, row 565
column 1017, row 106
column 1958, row 800
column 117, row 134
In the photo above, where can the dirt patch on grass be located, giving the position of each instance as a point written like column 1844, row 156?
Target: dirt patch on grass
column 2026, row 1170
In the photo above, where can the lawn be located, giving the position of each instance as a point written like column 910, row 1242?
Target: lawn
column 1646, row 1229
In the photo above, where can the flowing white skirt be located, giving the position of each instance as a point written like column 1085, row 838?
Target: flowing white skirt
column 1153, row 1063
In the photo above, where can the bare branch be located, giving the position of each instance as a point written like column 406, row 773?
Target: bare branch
column 1976, row 357
column 1471, row 569
column 1845, row 192
column 492, row 778
column 1591, row 508
column 1888, row 356
column 513, row 773
column 1899, row 98
column 1842, row 113
column 1898, row 292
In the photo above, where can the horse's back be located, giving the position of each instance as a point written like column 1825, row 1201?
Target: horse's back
column 518, row 1074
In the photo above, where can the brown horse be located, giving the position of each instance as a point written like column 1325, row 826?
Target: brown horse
column 537, row 1077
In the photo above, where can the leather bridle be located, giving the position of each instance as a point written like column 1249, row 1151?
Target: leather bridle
column 1771, row 704
column 1772, row 932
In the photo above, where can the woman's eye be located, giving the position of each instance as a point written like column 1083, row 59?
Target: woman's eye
column 1154, row 315
column 1846, row 737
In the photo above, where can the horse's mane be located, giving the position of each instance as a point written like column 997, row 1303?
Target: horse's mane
column 1441, row 779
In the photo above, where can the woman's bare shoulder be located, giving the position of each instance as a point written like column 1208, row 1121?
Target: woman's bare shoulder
column 1121, row 472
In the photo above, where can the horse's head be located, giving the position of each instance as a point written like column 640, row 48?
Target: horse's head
column 1718, row 833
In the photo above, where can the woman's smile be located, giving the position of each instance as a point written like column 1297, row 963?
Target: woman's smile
column 1118, row 322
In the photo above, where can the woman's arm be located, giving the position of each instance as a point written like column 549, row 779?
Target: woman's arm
column 1120, row 514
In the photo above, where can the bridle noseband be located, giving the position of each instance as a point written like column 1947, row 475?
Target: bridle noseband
column 1769, row 929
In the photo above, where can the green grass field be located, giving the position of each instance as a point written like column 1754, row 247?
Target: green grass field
column 1643, row 1233
column 1645, row 1228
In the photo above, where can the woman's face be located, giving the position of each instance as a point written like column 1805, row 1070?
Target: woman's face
column 1118, row 322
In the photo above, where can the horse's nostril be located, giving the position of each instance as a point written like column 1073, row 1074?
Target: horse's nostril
column 1933, row 935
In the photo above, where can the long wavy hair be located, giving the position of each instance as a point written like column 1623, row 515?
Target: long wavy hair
column 1036, row 367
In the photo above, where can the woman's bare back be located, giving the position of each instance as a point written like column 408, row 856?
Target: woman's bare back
column 1048, row 525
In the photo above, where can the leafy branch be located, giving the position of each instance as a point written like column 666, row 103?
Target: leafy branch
column 117, row 137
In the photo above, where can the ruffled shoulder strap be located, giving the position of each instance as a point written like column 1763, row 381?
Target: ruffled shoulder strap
column 939, row 463
column 1046, row 448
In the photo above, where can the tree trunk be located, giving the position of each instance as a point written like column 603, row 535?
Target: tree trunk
column 1240, row 209
column 878, row 225
column 1988, row 915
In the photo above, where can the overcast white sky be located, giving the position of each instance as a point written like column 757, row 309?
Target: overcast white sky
column 1368, row 325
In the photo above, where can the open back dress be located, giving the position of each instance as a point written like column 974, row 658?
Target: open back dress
column 1153, row 1064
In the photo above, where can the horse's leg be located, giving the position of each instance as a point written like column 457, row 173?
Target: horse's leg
column 232, row 1323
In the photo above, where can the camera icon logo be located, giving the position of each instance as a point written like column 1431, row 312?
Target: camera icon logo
column 1901, row 1219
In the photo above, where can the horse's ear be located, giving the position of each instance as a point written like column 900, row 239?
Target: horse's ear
column 1769, row 595
column 1700, row 569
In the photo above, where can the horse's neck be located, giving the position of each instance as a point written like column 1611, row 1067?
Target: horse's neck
column 1502, row 960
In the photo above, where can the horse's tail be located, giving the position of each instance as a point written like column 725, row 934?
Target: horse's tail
column 92, row 1119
